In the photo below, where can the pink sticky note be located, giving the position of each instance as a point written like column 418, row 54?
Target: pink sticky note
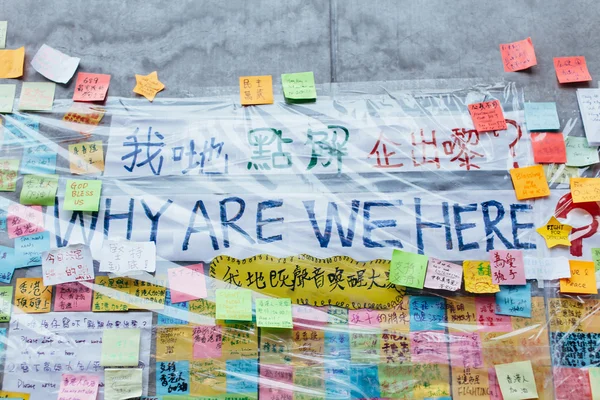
column 571, row 383
column 495, row 391
column 272, row 377
column 24, row 220
column 78, row 387
column 91, row 87
column 306, row 317
column 428, row 347
column 465, row 350
column 208, row 341
column 487, row 319
column 187, row 283
column 73, row 296
column 443, row 275
column 364, row 318
column 507, row 267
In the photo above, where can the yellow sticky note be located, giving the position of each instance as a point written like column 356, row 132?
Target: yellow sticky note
column 529, row 182
column 14, row 395
column 106, row 293
column 86, row 158
column 147, row 295
column 595, row 382
column 478, row 277
column 8, row 175
column 148, row 85
column 31, row 296
column 582, row 280
column 516, row 380
column 174, row 344
column 555, row 233
column 11, row 63
column 123, row 383
column 585, row 190
column 256, row 90
column 120, row 348
column 83, row 118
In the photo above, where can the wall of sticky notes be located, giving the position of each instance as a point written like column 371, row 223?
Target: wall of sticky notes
column 379, row 244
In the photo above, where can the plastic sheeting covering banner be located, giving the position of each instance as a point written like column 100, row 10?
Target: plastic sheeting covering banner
column 304, row 202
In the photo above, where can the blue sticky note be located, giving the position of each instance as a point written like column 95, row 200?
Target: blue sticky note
column 38, row 163
column 3, row 215
column 167, row 320
column 29, row 249
column 18, row 129
column 172, row 378
column 337, row 380
column 514, row 300
column 575, row 349
column 242, row 376
column 8, row 260
column 337, row 344
column 2, row 341
column 541, row 117
column 365, row 381
column 427, row 313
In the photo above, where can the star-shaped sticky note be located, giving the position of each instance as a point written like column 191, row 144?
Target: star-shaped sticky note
column 148, row 85
column 555, row 233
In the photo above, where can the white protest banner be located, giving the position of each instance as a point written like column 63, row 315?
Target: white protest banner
column 54, row 65
column 67, row 264
column 121, row 257
column 44, row 346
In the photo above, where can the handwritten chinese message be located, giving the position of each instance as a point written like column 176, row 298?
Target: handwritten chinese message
column 83, row 118
column 514, row 301
column 516, row 380
column 122, row 257
column 487, row 116
column 86, row 158
column 518, row 55
column 148, row 85
column 571, row 69
column 39, row 190
column 91, row 87
column 73, row 297
column 31, row 296
column 8, row 175
column 72, row 263
column 408, row 269
column 78, row 387
column 256, row 90
column 24, row 220
column 507, row 267
column 443, row 275
column 274, row 313
column 478, row 277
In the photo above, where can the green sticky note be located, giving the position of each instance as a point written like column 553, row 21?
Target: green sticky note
column 299, row 87
column 595, row 382
column 6, row 293
column 516, row 380
column 8, row 175
column 596, row 258
column 7, row 98
column 37, row 96
column 122, row 383
column 120, row 348
column 234, row 304
column 39, row 190
column 274, row 313
column 408, row 269
column 82, row 195
column 579, row 152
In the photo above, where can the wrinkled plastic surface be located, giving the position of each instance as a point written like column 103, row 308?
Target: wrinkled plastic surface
column 305, row 202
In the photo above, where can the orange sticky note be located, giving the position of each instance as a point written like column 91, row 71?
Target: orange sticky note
column 11, row 63
column 148, row 85
column 571, row 69
column 91, row 87
column 31, row 296
column 529, row 182
column 83, row 118
column 256, row 90
column 585, row 190
column 548, row 148
column 582, row 280
column 518, row 55
column 487, row 116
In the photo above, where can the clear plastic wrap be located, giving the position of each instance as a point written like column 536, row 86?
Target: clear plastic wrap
column 306, row 202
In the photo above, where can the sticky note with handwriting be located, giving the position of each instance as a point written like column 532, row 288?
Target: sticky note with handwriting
column 3, row 31
column 37, row 96
column 582, row 280
column 83, row 118
column 487, row 116
column 11, row 63
column 7, row 98
column 555, row 233
column 29, row 249
column 8, row 175
column 82, row 195
column 478, row 277
column 299, row 87
column 518, row 56
column 516, row 380
column 234, row 304
column 43, row 162
column 54, row 65
column 541, row 116
column 589, row 107
column 86, row 158
column 443, row 275
column 73, row 296
column 274, row 313
column 579, row 152
column 148, row 85
column 408, row 269
column 71, row 263
column 173, row 378
column 39, row 190
column 548, row 148
column 514, row 301
column 6, row 294
column 571, row 69
column 24, row 220
column 32, row 296
column 507, row 267
column 255, row 90
column 78, row 387
column 120, row 348
column 121, row 257
column 187, row 283
column 91, row 87
column 529, row 182
column 122, row 383
column 594, row 373
column 585, row 190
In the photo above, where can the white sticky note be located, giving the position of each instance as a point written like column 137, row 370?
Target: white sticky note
column 67, row 264
column 3, row 30
column 546, row 268
column 589, row 107
column 121, row 257
column 54, row 65
column 7, row 98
